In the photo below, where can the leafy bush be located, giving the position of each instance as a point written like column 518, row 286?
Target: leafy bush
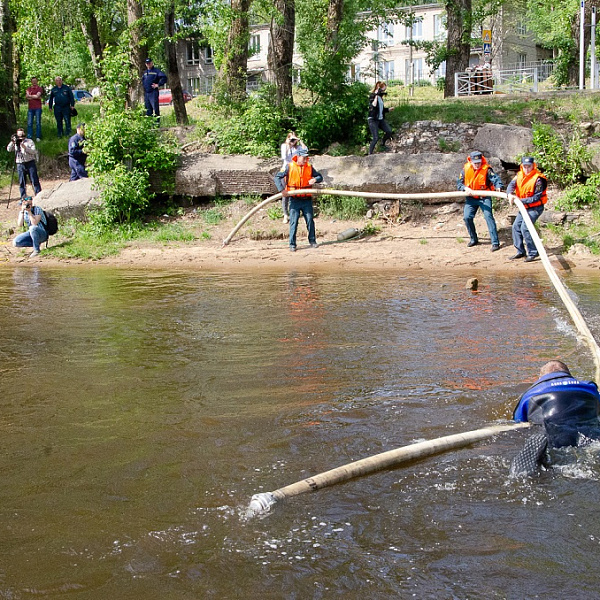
column 560, row 160
column 344, row 120
column 581, row 195
column 342, row 207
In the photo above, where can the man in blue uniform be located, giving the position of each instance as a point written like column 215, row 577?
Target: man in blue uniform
column 77, row 155
column 61, row 97
column 152, row 79
column 566, row 407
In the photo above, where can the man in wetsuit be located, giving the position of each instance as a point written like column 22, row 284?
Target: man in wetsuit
column 567, row 409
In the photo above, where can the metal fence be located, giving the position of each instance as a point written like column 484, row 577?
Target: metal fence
column 486, row 81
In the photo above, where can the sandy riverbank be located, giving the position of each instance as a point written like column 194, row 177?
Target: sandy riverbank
column 433, row 240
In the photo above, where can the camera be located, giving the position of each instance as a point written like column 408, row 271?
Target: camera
column 15, row 139
column 26, row 204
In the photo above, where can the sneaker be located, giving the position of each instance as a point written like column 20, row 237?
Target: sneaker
column 292, row 248
column 472, row 243
column 38, row 140
column 285, row 219
column 531, row 258
column 314, row 245
column 34, row 254
column 495, row 247
column 517, row 255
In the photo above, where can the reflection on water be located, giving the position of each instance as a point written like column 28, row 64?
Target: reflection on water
column 140, row 412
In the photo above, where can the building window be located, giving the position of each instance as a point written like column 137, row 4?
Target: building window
column 208, row 55
column 385, row 34
column 354, row 72
column 417, row 70
column 521, row 27
column 439, row 26
column 521, row 60
column 254, row 45
column 388, row 70
column 193, row 85
column 417, row 30
column 193, row 53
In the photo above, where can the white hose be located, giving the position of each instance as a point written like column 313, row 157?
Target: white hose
column 262, row 502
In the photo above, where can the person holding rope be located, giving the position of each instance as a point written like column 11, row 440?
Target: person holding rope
column 477, row 175
column 565, row 407
column 289, row 149
column 299, row 174
column 530, row 187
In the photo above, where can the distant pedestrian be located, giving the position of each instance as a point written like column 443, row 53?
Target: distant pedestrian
column 77, row 155
column 61, row 97
column 25, row 157
column 34, row 95
column 152, row 79
column 298, row 175
column 530, row 187
column 377, row 112
column 477, row 176
column 289, row 149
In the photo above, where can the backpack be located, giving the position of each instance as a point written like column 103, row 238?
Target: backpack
column 51, row 223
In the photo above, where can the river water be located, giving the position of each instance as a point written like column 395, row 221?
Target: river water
column 140, row 411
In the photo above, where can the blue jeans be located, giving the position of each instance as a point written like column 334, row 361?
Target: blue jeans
column 34, row 237
column 62, row 113
column 520, row 232
column 24, row 169
column 306, row 206
column 34, row 114
column 472, row 205
column 374, row 126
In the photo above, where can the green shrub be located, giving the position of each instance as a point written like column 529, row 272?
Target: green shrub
column 581, row 195
column 275, row 212
column 342, row 207
column 213, row 216
column 560, row 160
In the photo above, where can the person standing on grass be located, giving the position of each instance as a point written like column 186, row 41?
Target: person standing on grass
column 299, row 174
column 34, row 95
column 62, row 99
column 152, row 79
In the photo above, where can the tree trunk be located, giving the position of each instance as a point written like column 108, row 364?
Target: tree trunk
column 335, row 12
column 458, row 44
column 234, row 72
column 7, row 107
column 172, row 67
column 281, row 50
column 138, row 50
column 89, row 27
column 573, row 68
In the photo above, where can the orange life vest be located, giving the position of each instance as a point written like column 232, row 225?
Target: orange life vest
column 526, row 187
column 477, row 179
column 298, row 177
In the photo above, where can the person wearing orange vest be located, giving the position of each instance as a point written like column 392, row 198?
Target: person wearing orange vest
column 477, row 175
column 299, row 174
column 530, row 187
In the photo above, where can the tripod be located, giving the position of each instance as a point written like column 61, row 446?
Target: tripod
column 12, row 179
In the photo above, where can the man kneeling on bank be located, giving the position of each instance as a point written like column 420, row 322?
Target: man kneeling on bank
column 565, row 407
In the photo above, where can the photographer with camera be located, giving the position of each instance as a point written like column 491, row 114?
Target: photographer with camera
column 25, row 155
column 34, row 218
column 377, row 113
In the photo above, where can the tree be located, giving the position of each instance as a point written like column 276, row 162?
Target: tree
column 7, row 108
column 281, row 49
column 234, row 69
column 172, row 68
column 137, row 47
column 458, row 44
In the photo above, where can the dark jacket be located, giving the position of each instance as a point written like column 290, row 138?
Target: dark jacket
column 61, row 96
column 151, row 76
column 374, row 110
column 76, row 148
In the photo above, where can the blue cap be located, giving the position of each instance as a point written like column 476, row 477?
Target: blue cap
column 302, row 152
column 149, row 60
column 475, row 155
column 527, row 160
